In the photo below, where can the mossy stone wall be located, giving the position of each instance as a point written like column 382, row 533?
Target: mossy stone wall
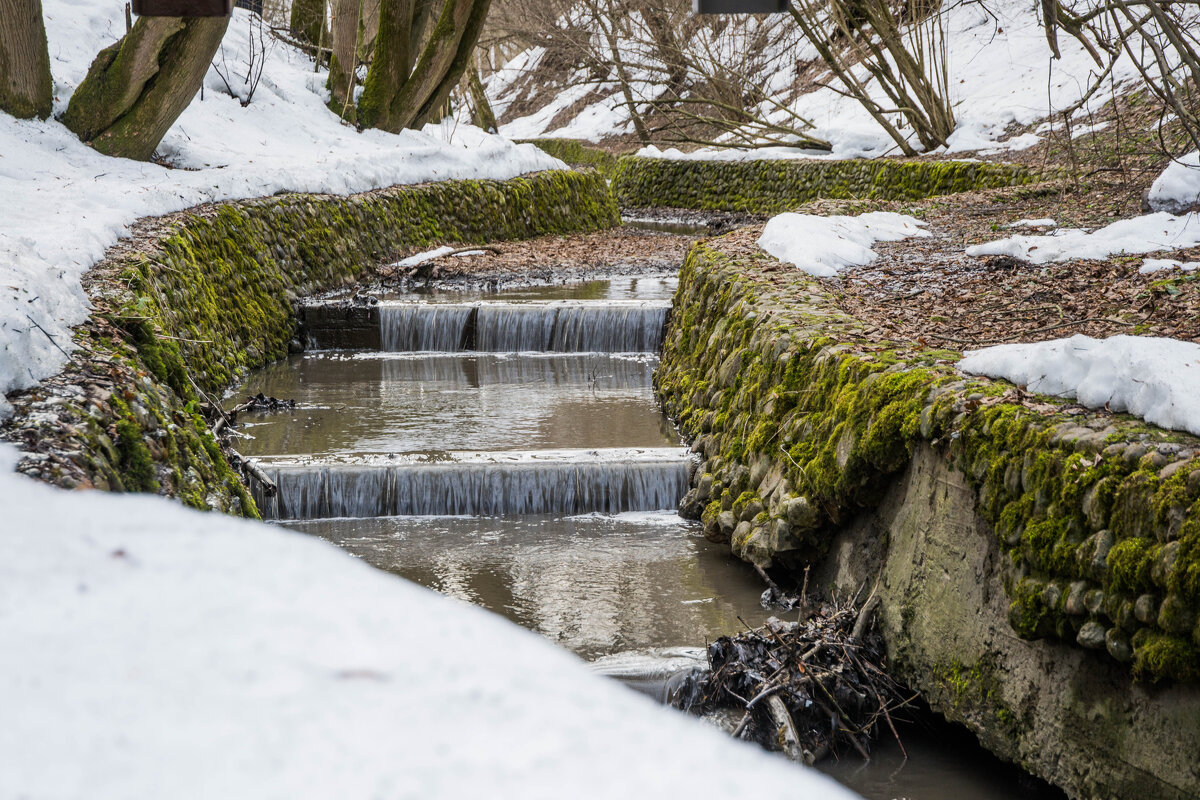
column 576, row 153
column 767, row 187
column 214, row 294
column 803, row 424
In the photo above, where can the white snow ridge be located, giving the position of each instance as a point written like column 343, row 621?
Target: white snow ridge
column 1150, row 377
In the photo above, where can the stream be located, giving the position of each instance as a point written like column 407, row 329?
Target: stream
column 506, row 449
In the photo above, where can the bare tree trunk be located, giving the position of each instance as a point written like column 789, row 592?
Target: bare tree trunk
column 137, row 88
column 444, row 74
column 308, row 20
column 25, row 86
column 610, row 36
column 344, row 60
column 388, row 71
column 481, row 110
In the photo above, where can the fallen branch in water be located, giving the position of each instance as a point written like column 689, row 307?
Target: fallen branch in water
column 810, row 688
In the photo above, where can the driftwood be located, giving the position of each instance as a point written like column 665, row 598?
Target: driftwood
column 248, row 467
column 810, row 689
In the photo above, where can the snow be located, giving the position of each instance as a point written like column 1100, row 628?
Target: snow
column 1044, row 222
column 825, row 246
column 65, row 204
column 1177, row 189
column 421, row 258
column 1152, row 265
column 1145, row 234
column 1001, row 72
column 155, row 651
column 1153, row 378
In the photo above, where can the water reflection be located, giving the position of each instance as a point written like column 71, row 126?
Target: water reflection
column 597, row 584
column 379, row 402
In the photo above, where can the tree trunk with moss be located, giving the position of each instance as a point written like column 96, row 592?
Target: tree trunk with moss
column 403, row 90
column 25, row 86
column 308, row 21
column 137, row 88
column 344, row 59
column 481, row 110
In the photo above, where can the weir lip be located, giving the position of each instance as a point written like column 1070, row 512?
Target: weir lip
column 477, row 484
column 561, row 326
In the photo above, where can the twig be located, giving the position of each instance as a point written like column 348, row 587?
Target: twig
column 53, row 341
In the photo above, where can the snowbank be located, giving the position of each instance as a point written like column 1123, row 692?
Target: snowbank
column 1145, row 234
column 65, row 204
column 1152, row 265
column 1152, row 378
column 153, row 651
column 1177, row 189
column 825, row 246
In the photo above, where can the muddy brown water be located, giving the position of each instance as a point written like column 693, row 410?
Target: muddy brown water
column 638, row 595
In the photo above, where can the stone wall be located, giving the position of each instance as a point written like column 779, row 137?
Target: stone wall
column 1091, row 520
column 201, row 297
column 576, row 153
column 767, row 187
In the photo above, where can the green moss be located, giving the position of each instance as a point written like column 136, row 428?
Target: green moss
column 772, row 186
column 1159, row 655
column 1129, row 565
column 137, row 468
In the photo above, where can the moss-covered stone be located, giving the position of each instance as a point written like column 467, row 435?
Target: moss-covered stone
column 576, row 153
column 765, row 187
column 794, row 409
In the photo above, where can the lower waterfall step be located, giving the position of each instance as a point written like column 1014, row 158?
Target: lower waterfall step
column 476, row 484
column 559, row 326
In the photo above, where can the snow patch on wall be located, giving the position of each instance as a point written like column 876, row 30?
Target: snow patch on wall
column 825, row 246
column 1153, row 378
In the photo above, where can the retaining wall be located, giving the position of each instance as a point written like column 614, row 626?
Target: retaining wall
column 1083, row 528
column 767, row 187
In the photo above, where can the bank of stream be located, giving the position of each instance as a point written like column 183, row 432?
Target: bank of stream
column 506, row 449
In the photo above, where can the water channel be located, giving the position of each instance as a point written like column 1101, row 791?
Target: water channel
column 506, row 450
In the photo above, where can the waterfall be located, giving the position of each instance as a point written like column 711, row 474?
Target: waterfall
column 511, row 327
column 477, row 488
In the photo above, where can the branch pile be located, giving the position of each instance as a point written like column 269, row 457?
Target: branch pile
column 809, row 689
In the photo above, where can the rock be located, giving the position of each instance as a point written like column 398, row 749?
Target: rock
column 690, row 507
column 1175, row 616
column 1093, row 508
column 727, row 522
column 802, row 515
column 1093, row 555
column 728, row 373
column 704, row 487
column 1157, row 460
column 1075, row 605
column 1051, row 595
column 1094, row 601
column 1117, row 645
column 1172, row 468
column 1145, row 609
column 1133, row 453
column 750, row 543
column 845, row 447
column 752, row 510
column 1164, row 564
column 1092, row 636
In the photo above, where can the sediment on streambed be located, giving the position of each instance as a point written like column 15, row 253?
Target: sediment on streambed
column 1036, row 564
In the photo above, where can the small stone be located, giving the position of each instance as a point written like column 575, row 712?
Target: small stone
column 1164, row 564
column 690, row 507
column 1114, row 448
column 1172, row 468
column 1075, row 605
column 1092, row 635
column 802, row 515
column 1175, row 616
column 1186, row 453
column 704, row 487
column 1051, row 595
column 1145, row 609
column 726, row 522
column 1094, row 601
column 752, row 510
column 1169, row 448
column 1117, row 645
column 1157, row 460
column 1133, row 453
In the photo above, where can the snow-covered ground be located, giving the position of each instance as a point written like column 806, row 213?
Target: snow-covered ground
column 64, row 204
column 1150, row 377
column 825, row 246
column 1000, row 67
column 1149, row 233
column 1177, row 189
column 154, row 651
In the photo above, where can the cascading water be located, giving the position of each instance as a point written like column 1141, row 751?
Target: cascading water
column 523, row 327
column 479, row 488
